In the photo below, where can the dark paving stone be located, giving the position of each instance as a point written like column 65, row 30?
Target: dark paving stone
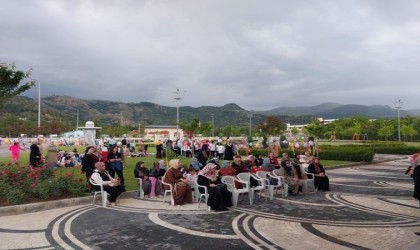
column 127, row 230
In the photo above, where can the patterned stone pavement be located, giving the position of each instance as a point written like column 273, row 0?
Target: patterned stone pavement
column 369, row 207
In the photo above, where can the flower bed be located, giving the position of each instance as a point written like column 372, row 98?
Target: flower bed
column 21, row 184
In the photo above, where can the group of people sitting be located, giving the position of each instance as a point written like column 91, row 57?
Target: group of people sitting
column 292, row 170
column 181, row 177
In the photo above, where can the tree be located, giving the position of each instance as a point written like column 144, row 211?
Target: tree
column 315, row 128
column 386, row 130
column 10, row 79
column 272, row 126
column 192, row 128
column 408, row 130
column 231, row 130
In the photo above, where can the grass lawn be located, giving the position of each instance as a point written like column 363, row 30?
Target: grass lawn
column 329, row 163
column 130, row 163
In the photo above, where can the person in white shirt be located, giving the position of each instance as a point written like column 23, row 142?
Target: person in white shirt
column 220, row 150
column 111, row 185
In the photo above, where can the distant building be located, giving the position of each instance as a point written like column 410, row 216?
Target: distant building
column 162, row 132
column 74, row 134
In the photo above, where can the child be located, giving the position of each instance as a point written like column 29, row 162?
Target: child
column 191, row 174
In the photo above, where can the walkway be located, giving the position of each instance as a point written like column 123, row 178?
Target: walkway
column 369, row 207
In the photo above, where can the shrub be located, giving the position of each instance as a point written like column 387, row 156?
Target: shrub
column 347, row 154
column 21, row 185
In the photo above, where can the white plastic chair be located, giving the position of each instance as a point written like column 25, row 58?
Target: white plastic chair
column 102, row 192
column 247, row 177
column 276, row 173
column 266, row 176
column 140, row 191
column 230, row 183
column 168, row 191
column 204, row 195
column 310, row 182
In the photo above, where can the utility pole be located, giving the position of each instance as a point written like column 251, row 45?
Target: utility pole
column 398, row 105
column 179, row 95
column 39, row 104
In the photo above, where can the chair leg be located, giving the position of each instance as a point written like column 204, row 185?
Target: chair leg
column 251, row 197
column 141, row 193
column 172, row 200
column 286, row 190
column 104, row 198
column 235, row 199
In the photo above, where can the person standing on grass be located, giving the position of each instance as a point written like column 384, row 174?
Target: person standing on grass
column 35, row 155
column 15, row 149
column 88, row 164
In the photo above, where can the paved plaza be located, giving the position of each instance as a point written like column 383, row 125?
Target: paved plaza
column 369, row 207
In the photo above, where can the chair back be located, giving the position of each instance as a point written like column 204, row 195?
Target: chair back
column 262, row 174
column 244, row 176
column 229, row 181
column 94, row 183
column 164, row 183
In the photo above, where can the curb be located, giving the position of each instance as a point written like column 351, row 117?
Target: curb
column 46, row 205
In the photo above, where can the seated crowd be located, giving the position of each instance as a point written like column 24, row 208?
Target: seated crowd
column 183, row 178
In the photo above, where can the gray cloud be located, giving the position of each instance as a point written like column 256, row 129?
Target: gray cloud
column 259, row 55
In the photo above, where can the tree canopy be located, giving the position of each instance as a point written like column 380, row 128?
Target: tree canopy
column 10, row 81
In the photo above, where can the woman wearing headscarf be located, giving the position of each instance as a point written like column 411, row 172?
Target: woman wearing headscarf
column 181, row 189
column 219, row 197
column 35, row 155
column 203, row 155
column 140, row 171
column 228, row 151
column 290, row 177
column 227, row 169
column 322, row 183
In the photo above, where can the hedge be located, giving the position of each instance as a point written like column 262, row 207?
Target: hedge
column 336, row 153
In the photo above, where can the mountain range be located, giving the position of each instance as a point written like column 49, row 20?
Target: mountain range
column 334, row 110
column 111, row 112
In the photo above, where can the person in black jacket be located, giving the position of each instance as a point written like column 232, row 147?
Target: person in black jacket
column 35, row 155
column 203, row 154
column 219, row 197
column 322, row 182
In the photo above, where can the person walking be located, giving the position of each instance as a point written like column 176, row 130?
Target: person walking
column 15, row 149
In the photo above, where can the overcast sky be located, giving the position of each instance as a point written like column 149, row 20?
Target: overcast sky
column 257, row 54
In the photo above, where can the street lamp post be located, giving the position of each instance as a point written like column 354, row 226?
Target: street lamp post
column 398, row 106
column 179, row 95
column 77, row 120
column 39, row 104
